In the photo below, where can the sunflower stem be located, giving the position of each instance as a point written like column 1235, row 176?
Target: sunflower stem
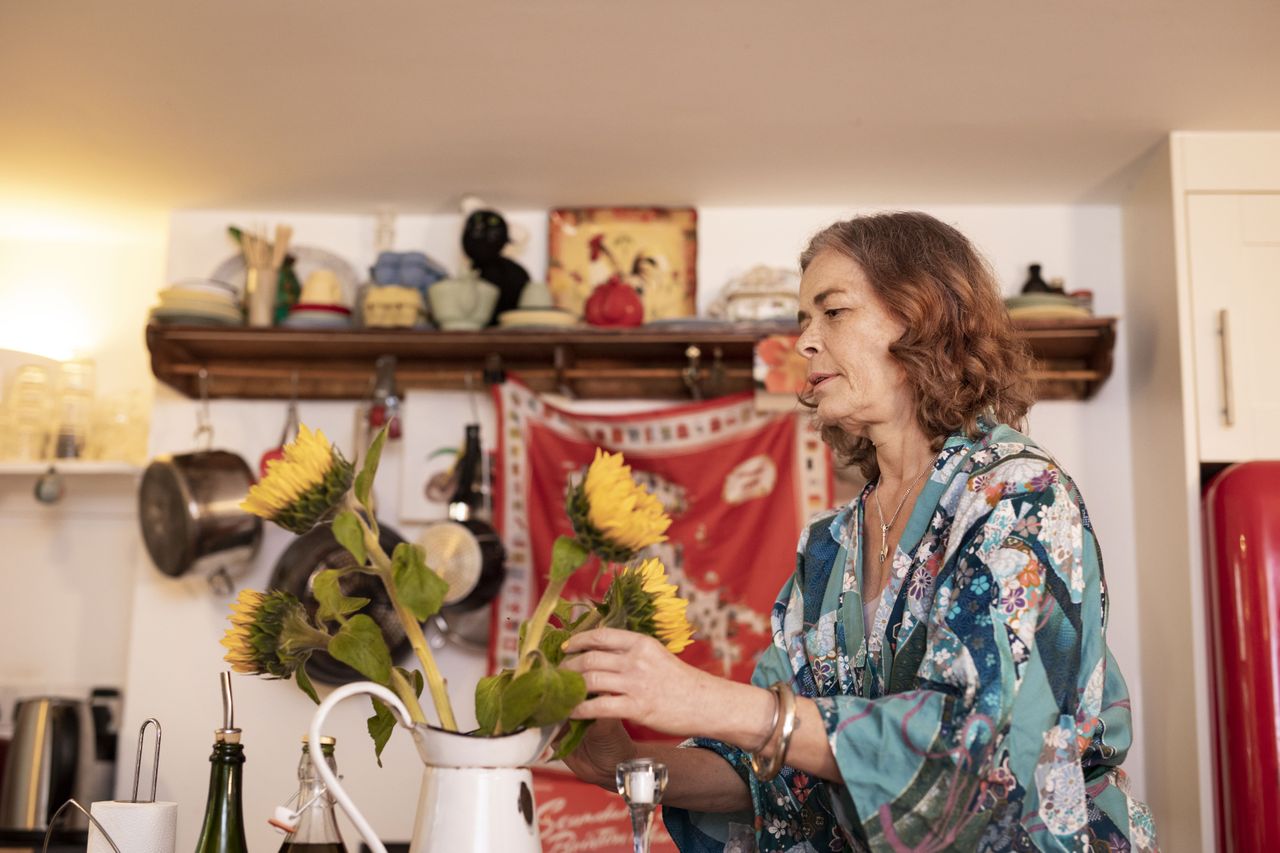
column 413, row 630
column 537, row 624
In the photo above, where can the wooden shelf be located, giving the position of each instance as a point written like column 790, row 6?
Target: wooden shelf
column 594, row 363
column 71, row 467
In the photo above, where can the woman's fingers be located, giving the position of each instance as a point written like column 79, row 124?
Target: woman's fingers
column 595, row 661
column 605, row 682
column 606, row 639
column 603, row 707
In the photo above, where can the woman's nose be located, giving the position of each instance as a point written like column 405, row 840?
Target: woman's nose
column 807, row 343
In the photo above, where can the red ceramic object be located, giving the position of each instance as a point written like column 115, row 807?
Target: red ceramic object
column 1242, row 549
column 614, row 303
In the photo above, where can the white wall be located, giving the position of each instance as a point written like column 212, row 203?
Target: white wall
column 173, row 651
column 75, row 281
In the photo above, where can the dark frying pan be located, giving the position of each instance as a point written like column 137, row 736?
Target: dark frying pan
column 317, row 550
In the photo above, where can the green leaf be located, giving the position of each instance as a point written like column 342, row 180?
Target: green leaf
column 380, row 725
column 414, row 677
column 328, row 594
column 567, row 556
column 489, row 692
column 421, row 589
column 304, row 682
column 574, row 733
column 564, row 610
column 364, row 480
column 347, row 530
column 567, row 689
column 523, row 696
column 552, row 639
column 360, row 645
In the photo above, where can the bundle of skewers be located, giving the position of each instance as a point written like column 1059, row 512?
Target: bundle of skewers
column 262, row 262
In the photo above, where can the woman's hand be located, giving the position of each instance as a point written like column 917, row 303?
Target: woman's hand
column 605, row 745
column 633, row 676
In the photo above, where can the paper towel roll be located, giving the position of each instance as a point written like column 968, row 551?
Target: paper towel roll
column 135, row 827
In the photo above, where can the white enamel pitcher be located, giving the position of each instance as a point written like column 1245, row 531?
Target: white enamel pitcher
column 477, row 792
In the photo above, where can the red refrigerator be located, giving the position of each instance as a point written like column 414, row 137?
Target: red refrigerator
column 1242, row 545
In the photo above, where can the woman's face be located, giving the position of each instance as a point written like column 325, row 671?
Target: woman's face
column 845, row 334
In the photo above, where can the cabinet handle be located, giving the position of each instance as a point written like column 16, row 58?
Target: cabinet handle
column 1228, row 393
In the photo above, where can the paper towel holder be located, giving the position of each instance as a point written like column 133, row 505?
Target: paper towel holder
column 137, row 773
column 93, row 820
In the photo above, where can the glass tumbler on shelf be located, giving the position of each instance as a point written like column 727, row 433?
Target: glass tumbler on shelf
column 641, row 782
column 29, row 406
column 119, row 431
column 75, row 409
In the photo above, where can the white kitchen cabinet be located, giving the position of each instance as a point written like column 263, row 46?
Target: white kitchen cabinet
column 1233, row 255
column 1201, row 243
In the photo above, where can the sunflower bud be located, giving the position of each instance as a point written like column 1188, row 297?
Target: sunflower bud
column 270, row 634
column 303, row 486
column 642, row 599
column 612, row 514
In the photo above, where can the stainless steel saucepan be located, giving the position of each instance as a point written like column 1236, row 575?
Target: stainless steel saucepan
column 189, row 509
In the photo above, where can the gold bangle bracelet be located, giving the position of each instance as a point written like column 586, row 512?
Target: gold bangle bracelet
column 780, row 739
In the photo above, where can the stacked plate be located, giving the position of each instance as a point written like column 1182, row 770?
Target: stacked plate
column 536, row 318
column 199, row 302
column 314, row 316
column 1044, row 306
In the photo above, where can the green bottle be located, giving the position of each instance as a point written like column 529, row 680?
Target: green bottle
column 223, row 829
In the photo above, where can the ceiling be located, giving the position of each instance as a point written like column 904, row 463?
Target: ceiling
column 408, row 105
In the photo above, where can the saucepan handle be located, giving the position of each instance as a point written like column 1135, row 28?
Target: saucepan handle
column 322, row 767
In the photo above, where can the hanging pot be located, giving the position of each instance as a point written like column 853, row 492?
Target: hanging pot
column 312, row 553
column 192, row 524
column 189, row 509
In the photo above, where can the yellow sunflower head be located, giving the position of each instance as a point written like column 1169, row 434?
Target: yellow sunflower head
column 301, row 487
column 270, row 634
column 612, row 514
column 642, row 599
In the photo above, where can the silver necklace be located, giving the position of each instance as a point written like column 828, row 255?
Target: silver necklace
column 884, row 528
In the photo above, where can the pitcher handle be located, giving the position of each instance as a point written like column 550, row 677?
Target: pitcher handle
column 322, row 767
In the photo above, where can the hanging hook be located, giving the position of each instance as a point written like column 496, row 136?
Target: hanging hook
column 469, row 380
column 560, row 362
column 493, row 372
column 717, row 371
column 692, row 374
column 204, row 424
column 291, row 418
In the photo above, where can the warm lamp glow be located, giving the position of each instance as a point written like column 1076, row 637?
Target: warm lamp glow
column 75, row 281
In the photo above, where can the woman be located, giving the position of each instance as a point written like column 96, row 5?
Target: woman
column 939, row 677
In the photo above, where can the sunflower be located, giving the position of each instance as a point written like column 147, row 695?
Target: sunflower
column 642, row 599
column 303, row 486
column 612, row 514
column 270, row 634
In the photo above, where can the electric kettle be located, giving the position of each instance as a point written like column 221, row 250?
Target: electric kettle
column 61, row 748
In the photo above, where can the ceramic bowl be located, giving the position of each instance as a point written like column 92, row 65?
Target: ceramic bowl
column 462, row 303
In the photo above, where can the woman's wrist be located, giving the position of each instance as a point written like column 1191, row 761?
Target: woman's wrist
column 753, row 719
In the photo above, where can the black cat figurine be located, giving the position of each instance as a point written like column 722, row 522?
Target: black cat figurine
column 484, row 235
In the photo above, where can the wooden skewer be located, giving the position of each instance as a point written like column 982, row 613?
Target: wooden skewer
column 281, row 247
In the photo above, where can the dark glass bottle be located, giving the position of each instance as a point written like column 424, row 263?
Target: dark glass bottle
column 470, row 470
column 469, row 507
column 223, row 829
column 317, row 827
column 1034, row 283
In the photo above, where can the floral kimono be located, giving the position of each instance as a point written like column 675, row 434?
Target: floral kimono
column 984, row 712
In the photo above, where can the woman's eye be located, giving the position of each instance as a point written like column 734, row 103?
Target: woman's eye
column 832, row 313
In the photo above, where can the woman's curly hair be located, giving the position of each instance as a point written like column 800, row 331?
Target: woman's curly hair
column 962, row 356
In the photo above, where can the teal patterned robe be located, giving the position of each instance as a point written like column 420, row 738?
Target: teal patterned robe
column 985, row 712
